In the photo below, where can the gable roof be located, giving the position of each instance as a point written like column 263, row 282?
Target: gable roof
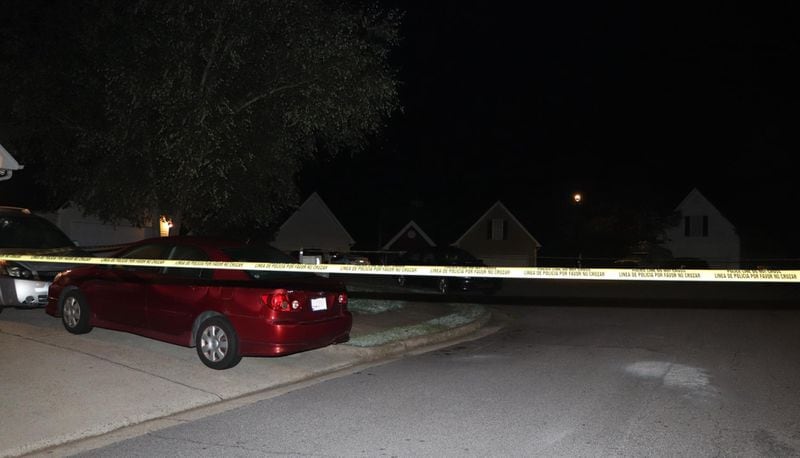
column 7, row 164
column 503, row 208
column 695, row 193
column 411, row 225
column 7, row 161
column 314, row 205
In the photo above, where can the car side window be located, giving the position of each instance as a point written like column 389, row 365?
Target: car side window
column 30, row 232
column 151, row 251
column 187, row 253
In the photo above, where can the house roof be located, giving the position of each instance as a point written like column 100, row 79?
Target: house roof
column 7, row 164
column 7, row 161
column 312, row 203
column 411, row 225
column 696, row 193
column 762, row 216
column 503, row 208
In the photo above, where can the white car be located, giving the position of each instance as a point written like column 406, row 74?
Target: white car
column 25, row 284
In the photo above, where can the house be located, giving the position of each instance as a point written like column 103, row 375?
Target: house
column 90, row 231
column 499, row 239
column 411, row 236
column 313, row 226
column 704, row 233
column 7, row 164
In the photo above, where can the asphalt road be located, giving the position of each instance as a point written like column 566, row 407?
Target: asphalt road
column 598, row 292
column 557, row 381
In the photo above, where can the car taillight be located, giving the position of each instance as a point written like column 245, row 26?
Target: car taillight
column 342, row 298
column 279, row 301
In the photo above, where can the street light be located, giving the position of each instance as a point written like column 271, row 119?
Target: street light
column 577, row 199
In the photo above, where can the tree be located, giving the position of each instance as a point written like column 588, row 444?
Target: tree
column 618, row 228
column 207, row 109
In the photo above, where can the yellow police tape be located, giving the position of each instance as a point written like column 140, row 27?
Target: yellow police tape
column 773, row 276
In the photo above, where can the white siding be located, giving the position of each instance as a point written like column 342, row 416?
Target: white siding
column 88, row 231
column 721, row 247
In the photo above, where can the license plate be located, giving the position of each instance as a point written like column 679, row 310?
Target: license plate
column 319, row 303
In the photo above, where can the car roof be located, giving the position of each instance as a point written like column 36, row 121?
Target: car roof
column 16, row 210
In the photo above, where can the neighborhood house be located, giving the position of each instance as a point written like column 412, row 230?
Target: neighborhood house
column 704, row 233
column 499, row 239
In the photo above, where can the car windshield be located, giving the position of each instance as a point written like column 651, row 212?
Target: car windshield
column 31, row 232
column 251, row 253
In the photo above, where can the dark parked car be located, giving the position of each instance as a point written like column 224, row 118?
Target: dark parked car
column 25, row 284
column 446, row 256
column 688, row 263
column 225, row 314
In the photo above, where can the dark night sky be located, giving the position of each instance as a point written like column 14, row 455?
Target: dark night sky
column 624, row 102
column 631, row 102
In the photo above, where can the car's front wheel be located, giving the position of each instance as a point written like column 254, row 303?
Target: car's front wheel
column 217, row 343
column 75, row 312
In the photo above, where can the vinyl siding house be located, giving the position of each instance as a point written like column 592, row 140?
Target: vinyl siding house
column 313, row 226
column 90, row 231
column 500, row 239
column 704, row 233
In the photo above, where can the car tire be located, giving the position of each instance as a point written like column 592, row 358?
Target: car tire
column 444, row 285
column 217, row 343
column 75, row 312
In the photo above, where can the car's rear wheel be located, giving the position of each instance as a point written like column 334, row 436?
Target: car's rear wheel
column 75, row 312
column 444, row 285
column 217, row 343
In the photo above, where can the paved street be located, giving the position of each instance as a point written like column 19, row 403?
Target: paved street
column 557, row 381
column 57, row 388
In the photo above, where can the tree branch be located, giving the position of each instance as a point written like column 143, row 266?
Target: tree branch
column 268, row 94
column 211, row 58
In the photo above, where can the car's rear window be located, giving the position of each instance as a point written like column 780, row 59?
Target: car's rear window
column 31, row 232
column 460, row 257
column 264, row 254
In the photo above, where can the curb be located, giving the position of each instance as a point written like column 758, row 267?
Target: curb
column 407, row 345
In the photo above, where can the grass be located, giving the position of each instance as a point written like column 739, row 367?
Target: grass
column 466, row 313
column 372, row 306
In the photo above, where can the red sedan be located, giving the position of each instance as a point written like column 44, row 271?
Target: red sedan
column 225, row 314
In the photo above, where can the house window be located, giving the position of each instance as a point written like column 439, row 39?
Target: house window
column 695, row 226
column 498, row 229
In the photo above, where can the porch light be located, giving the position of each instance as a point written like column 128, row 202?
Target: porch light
column 164, row 225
